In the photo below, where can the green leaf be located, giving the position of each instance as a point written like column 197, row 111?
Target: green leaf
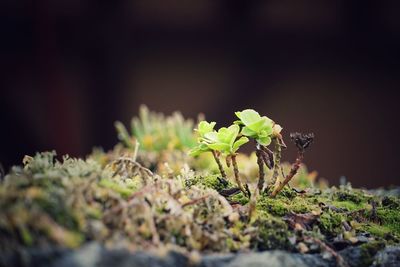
column 248, row 116
column 233, row 133
column 222, row 147
column 248, row 132
column 228, row 135
column 223, row 135
column 265, row 140
column 195, row 151
column 257, row 127
column 265, row 132
column 205, row 127
column 201, row 148
column 242, row 140
column 223, row 140
column 263, row 124
column 211, row 137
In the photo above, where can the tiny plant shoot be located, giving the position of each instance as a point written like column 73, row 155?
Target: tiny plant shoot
column 225, row 141
column 204, row 128
column 264, row 131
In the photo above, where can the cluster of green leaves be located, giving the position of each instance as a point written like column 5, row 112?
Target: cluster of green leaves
column 228, row 140
column 255, row 126
column 225, row 140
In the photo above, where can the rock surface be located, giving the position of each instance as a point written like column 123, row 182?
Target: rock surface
column 389, row 257
column 95, row 255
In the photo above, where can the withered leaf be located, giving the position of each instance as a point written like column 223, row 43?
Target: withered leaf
column 301, row 221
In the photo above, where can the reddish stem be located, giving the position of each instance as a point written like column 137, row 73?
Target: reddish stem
column 293, row 171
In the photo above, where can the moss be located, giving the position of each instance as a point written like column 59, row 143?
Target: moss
column 120, row 189
column 348, row 205
column 208, row 181
column 272, row 234
column 240, row 198
column 282, row 205
column 52, row 202
column 375, row 229
column 26, row 235
column 288, row 193
column 390, row 202
column 71, row 201
column 353, row 195
column 390, row 218
column 273, row 206
column 215, row 182
column 331, row 222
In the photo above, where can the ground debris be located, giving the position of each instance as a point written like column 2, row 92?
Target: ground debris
column 301, row 221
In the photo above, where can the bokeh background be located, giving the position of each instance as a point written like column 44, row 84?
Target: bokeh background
column 70, row 68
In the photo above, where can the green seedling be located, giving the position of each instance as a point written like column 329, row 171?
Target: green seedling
column 255, row 126
column 264, row 131
column 261, row 129
column 225, row 142
column 204, row 128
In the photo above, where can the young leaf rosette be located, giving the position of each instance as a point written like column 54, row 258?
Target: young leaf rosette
column 224, row 140
column 260, row 128
column 203, row 128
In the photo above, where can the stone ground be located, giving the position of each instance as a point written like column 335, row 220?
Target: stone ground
column 94, row 255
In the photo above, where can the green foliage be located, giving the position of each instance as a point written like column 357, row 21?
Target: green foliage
column 255, row 126
column 203, row 128
column 156, row 132
column 224, row 140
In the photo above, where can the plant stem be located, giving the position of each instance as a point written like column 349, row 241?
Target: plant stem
column 261, row 174
column 293, row 171
column 135, row 150
column 277, row 161
column 220, row 167
column 236, row 172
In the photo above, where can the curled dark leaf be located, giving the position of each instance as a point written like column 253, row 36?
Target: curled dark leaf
column 302, row 141
column 267, row 156
column 229, row 192
column 223, row 181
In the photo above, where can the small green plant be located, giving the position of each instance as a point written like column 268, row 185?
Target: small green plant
column 204, row 128
column 156, row 132
column 263, row 130
column 225, row 142
column 255, row 126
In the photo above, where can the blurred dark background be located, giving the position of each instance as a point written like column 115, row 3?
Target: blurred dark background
column 70, row 68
